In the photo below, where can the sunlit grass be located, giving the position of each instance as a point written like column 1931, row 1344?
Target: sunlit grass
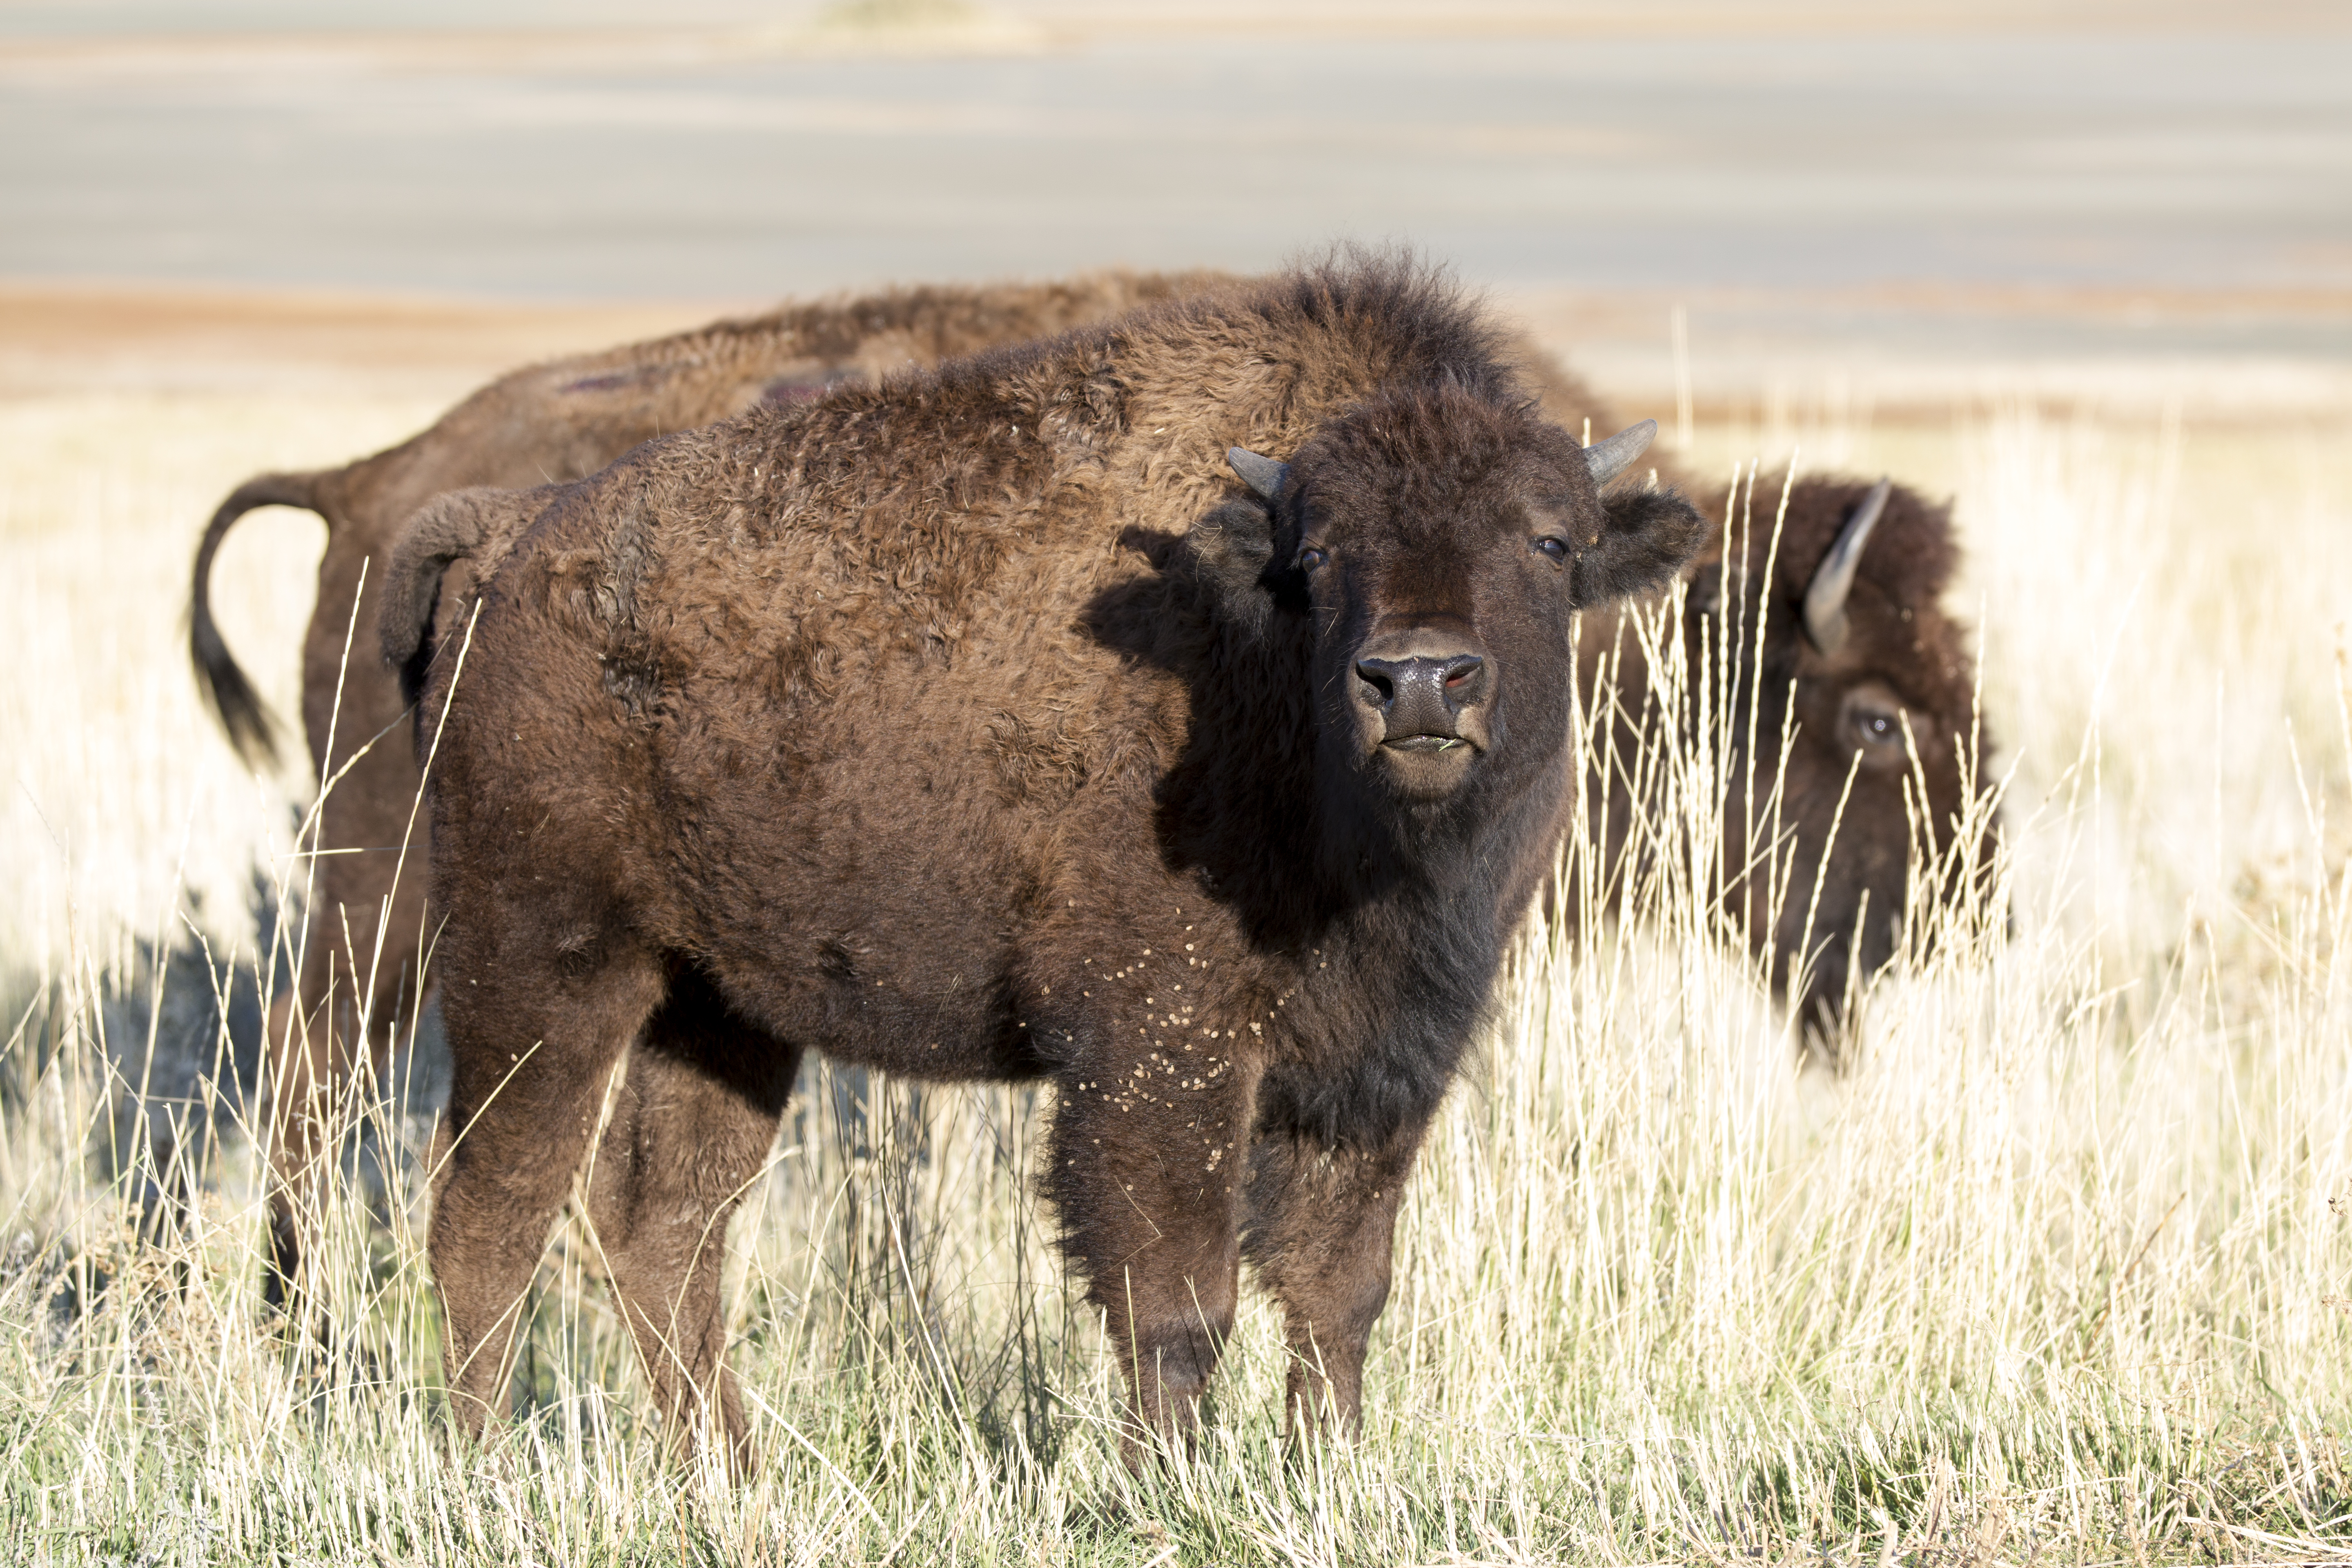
column 2054, row 1271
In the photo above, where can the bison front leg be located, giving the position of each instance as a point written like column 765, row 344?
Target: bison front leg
column 1321, row 1231
column 1146, row 1175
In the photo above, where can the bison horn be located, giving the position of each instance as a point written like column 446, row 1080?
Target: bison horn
column 1608, row 458
column 1833, row 579
column 1262, row 475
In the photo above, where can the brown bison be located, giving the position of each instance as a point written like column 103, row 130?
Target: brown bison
column 979, row 726
column 552, row 422
column 1841, row 699
column 1905, row 664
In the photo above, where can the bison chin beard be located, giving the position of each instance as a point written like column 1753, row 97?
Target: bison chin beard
column 1388, row 807
column 1413, row 779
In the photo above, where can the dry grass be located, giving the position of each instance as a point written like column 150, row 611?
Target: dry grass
column 2057, row 1270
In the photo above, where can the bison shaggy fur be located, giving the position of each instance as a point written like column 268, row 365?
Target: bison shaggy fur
column 552, row 422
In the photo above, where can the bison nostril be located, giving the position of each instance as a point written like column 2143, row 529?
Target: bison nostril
column 1462, row 669
column 1375, row 674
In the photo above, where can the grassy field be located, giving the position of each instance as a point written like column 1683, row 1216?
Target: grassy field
column 2058, row 1269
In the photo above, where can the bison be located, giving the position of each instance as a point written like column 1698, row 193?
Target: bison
column 551, row 422
column 979, row 726
column 1905, row 666
column 1843, row 698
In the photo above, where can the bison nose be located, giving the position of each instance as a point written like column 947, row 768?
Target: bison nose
column 1422, row 696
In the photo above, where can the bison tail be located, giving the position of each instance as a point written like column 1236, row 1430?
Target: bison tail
column 231, row 695
column 473, row 527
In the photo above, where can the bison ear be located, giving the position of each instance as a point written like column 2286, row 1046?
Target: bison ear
column 1231, row 547
column 1644, row 539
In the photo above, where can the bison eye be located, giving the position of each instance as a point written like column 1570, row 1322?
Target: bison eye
column 1870, row 719
column 1553, row 550
column 1877, row 727
column 1310, row 558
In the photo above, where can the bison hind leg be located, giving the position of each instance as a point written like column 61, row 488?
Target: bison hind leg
column 690, row 1132
column 532, row 1058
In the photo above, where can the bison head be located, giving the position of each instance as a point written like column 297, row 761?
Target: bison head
column 1873, row 683
column 1436, row 545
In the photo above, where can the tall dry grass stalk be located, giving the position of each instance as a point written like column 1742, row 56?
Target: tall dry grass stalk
column 2054, row 1268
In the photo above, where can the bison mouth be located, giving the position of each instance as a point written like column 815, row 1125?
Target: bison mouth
column 1425, row 768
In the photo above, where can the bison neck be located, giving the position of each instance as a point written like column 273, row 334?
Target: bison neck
column 1378, row 927
column 1387, row 994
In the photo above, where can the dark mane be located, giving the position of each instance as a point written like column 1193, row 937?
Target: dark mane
column 1431, row 328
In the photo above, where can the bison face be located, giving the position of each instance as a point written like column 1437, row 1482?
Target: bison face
column 1438, row 545
column 1903, row 750
column 1877, row 687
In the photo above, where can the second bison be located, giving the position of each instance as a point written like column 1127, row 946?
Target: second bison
column 980, row 726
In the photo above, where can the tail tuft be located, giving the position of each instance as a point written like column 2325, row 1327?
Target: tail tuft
column 226, row 689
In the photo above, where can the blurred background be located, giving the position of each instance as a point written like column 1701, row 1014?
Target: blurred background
column 1904, row 192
